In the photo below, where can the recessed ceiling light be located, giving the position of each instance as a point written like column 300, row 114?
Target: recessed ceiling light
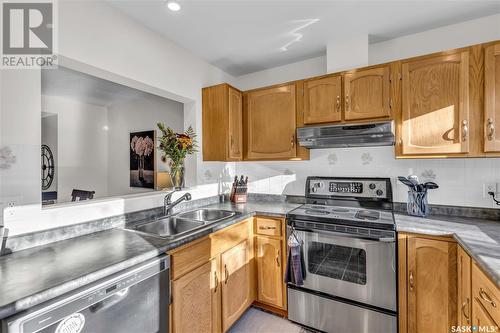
column 173, row 6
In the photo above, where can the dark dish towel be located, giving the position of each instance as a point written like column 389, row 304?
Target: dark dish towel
column 295, row 266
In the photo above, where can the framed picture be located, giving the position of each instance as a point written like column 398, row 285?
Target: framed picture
column 143, row 159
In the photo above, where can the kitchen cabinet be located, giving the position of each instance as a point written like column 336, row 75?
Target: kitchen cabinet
column 236, row 294
column 323, row 100
column 464, row 265
column 428, row 284
column 270, row 124
column 270, row 251
column 269, row 269
column 222, row 123
column 435, row 104
column 196, row 296
column 213, row 280
column 367, row 93
column 492, row 98
column 486, row 299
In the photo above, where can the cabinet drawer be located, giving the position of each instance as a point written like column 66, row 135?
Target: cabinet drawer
column 486, row 293
column 268, row 227
column 190, row 257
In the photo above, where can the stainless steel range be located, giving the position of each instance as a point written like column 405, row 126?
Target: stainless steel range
column 349, row 246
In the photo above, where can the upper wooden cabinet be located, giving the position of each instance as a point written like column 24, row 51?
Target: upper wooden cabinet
column 367, row 94
column 435, row 104
column 270, row 118
column 432, row 288
column 492, row 98
column 222, row 123
column 323, row 100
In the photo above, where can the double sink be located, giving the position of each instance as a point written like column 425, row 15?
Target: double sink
column 176, row 226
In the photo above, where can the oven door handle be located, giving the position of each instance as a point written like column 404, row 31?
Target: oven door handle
column 345, row 235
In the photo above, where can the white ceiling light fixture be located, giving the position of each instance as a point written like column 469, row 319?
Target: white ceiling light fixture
column 173, row 6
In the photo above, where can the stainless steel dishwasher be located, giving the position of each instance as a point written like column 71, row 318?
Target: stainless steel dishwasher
column 135, row 300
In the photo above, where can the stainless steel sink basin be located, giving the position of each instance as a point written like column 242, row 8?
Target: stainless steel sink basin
column 207, row 215
column 169, row 227
column 181, row 224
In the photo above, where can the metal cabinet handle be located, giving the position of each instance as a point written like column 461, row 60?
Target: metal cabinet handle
column 265, row 227
column 412, row 286
column 465, row 130
column 347, row 103
column 463, row 310
column 484, row 295
column 227, row 274
column 491, row 129
column 278, row 258
column 293, row 141
column 232, row 141
column 338, row 103
column 216, row 281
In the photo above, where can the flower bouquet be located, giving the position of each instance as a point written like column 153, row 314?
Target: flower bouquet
column 175, row 147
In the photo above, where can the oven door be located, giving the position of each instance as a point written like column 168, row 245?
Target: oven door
column 346, row 266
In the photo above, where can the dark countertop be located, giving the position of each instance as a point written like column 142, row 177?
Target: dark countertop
column 33, row 276
column 479, row 238
column 36, row 275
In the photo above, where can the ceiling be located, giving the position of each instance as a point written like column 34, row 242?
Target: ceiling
column 88, row 89
column 242, row 36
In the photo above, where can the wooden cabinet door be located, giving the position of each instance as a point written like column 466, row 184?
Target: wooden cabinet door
column 269, row 271
column 367, row 94
column 271, row 123
column 236, row 294
column 435, row 105
column 322, row 100
column 432, row 287
column 464, row 280
column 196, row 300
column 492, row 98
column 235, row 125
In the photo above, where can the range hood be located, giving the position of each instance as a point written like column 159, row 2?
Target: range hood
column 342, row 136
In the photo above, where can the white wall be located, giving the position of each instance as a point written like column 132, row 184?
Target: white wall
column 133, row 116
column 449, row 37
column 82, row 154
column 294, row 71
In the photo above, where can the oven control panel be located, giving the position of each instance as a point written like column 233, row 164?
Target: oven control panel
column 344, row 187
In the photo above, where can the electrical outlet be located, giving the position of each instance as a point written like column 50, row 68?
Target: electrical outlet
column 489, row 187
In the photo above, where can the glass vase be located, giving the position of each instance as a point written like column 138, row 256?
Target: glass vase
column 177, row 175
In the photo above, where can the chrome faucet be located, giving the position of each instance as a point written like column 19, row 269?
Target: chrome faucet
column 168, row 205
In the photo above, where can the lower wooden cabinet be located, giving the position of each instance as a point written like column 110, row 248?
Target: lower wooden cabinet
column 269, row 276
column 196, row 297
column 441, row 288
column 431, row 288
column 236, row 295
column 210, row 296
column 464, row 306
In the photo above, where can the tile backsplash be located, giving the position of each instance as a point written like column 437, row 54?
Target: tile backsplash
column 460, row 180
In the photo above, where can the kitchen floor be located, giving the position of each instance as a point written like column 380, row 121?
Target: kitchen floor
column 257, row 321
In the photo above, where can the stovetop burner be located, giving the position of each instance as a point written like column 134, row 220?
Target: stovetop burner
column 367, row 215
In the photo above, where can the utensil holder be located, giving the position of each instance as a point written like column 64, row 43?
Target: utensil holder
column 417, row 204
